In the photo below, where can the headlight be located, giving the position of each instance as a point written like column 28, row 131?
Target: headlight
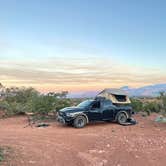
column 60, row 113
column 70, row 114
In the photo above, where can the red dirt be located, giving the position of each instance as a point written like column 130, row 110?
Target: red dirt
column 101, row 144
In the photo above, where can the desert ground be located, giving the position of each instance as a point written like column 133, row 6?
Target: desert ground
column 98, row 144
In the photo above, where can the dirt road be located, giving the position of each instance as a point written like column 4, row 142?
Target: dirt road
column 102, row 144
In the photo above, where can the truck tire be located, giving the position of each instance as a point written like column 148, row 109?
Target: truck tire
column 79, row 121
column 122, row 118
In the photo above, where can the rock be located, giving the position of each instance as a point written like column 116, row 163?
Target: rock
column 160, row 119
column 32, row 162
column 108, row 145
column 92, row 151
column 101, row 151
column 136, row 156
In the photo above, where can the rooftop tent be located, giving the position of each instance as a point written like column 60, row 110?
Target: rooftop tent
column 117, row 96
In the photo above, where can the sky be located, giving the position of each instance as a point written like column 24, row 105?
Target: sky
column 78, row 45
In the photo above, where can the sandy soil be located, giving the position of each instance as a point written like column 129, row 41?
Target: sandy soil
column 101, row 144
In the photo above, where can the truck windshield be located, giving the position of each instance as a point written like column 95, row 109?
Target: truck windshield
column 85, row 103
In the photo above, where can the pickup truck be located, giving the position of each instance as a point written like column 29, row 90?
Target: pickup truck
column 101, row 108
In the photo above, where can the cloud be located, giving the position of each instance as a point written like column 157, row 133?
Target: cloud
column 82, row 73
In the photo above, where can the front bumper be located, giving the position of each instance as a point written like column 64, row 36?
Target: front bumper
column 60, row 119
column 65, row 120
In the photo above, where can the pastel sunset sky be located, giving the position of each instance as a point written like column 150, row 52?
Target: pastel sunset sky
column 77, row 45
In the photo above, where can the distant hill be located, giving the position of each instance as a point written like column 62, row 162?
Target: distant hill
column 150, row 90
column 147, row 91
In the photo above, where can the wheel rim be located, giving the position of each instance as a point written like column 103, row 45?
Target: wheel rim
column 122, row 118
column 80, row 122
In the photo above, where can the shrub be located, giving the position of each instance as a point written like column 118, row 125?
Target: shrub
column 162, row 97
column 151, row 107
column 16, row 99
column 20, row 95
column 61, row 103
column 41, row 104
column 137, row 105
column 1, row 154
column 21, row 100
column 147, row 107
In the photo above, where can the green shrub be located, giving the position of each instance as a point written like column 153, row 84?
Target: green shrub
column 41, row 104
column 151, row 107
column 21, row 100
column 162, row 97
column 1, row 154
column 137, row 105
column 147, row 107
column 61, row 103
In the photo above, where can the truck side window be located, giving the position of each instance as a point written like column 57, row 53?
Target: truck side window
column 96, row 105
column 107, row 103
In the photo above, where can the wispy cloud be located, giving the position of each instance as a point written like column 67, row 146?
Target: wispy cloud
column 75, row 74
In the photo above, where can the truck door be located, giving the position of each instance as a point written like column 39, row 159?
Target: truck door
column 107, row 110
column 95, row 113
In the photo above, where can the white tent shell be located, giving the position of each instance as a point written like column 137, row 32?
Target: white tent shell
column 114, row 95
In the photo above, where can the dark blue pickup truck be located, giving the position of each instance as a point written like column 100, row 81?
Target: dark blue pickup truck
column 113, row 107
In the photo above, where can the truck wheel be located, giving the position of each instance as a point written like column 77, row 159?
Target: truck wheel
column 79, row 122
column 122, row 118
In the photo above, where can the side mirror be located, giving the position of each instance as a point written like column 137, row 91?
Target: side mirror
column 92, row 108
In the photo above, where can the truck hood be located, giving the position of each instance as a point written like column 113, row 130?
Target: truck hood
column 71, row 109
